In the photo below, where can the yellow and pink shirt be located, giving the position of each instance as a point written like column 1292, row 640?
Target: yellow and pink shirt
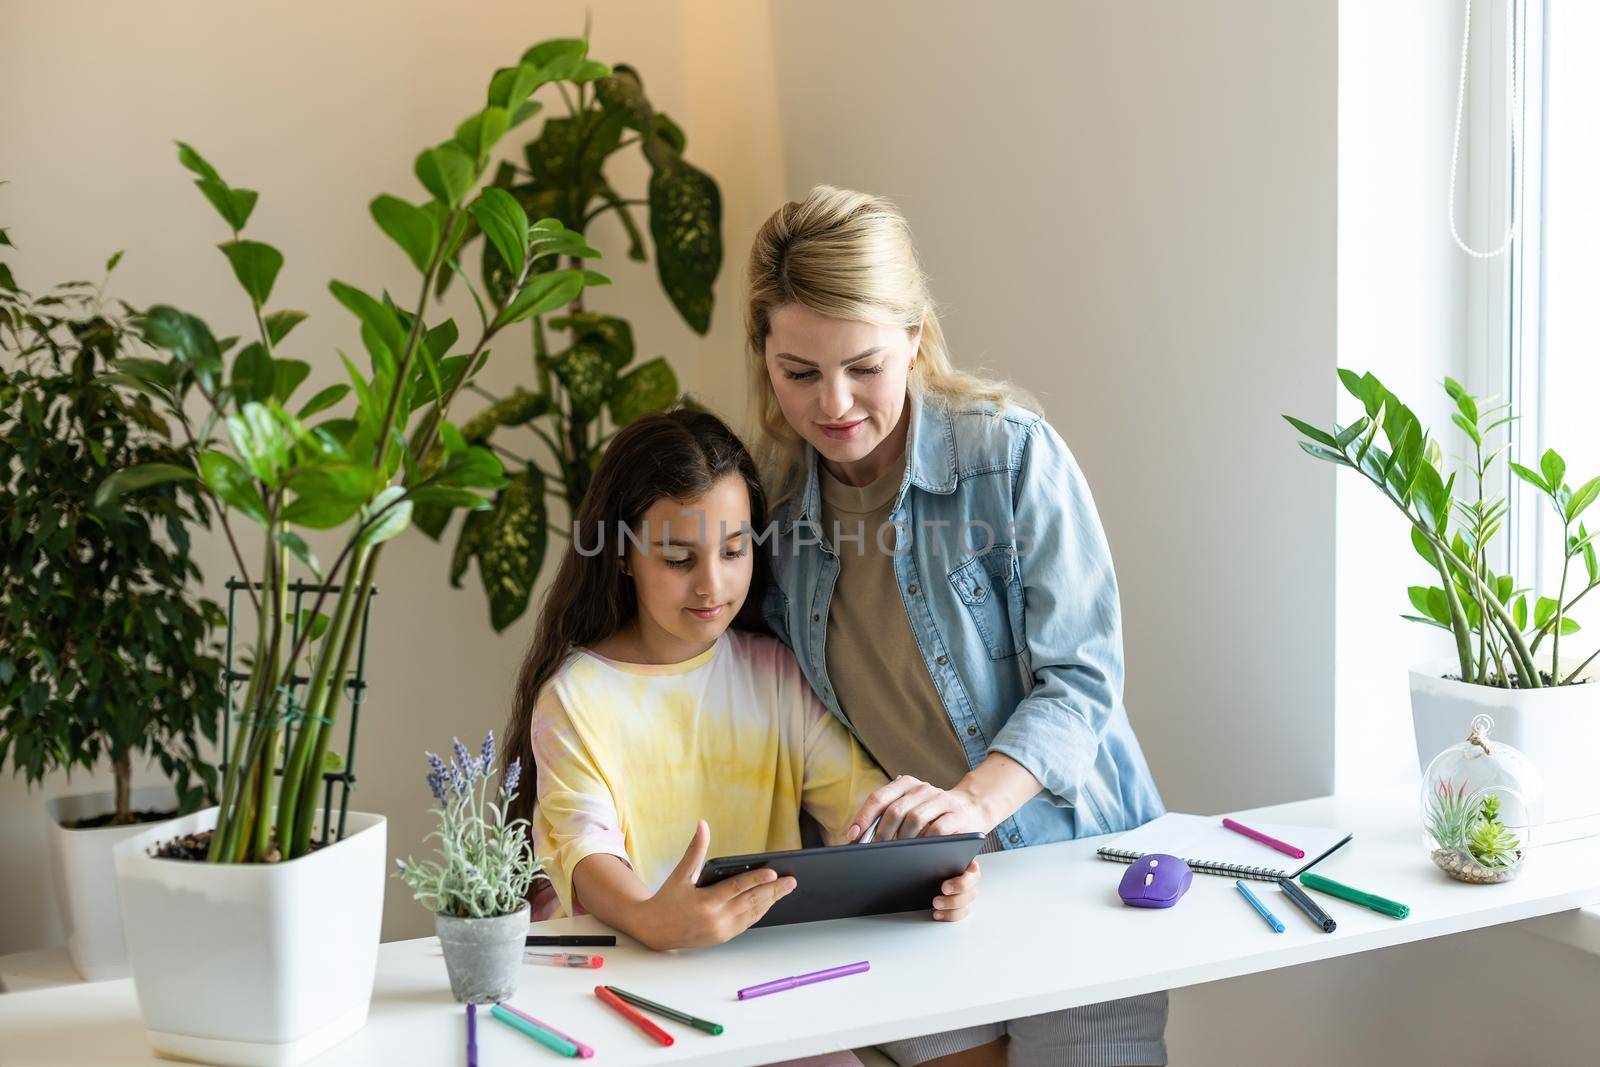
column 629, row 756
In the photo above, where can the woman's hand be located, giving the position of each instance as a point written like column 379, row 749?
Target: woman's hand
column 959, row 893
column 910, row 807
column 682, row 915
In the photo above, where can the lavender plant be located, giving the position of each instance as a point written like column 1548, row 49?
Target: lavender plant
column 486, row 864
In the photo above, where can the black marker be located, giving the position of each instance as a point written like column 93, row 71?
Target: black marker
column 1307, row 905
column 573, row 940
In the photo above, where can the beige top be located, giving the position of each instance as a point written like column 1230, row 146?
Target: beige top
column 874, row 665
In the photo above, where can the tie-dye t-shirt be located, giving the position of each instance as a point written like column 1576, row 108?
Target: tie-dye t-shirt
column 630, row 755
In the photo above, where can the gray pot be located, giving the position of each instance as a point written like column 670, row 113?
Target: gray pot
column 483, row 956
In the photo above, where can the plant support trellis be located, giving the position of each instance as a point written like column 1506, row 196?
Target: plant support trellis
column 337, row 770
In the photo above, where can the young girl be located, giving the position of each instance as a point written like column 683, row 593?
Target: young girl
column 653, row 725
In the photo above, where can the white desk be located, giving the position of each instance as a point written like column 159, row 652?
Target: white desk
column 1048, row 933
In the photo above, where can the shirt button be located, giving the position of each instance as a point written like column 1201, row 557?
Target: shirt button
column 816, row 618
column 941, row 661
column 1015, row 838
column 912, row 590
column 972, row 731
column 977, row 590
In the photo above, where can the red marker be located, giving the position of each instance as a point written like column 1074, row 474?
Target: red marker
column 632, row 1016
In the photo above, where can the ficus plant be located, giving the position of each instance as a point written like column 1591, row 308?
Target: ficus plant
column 106, row 649
column 1498, row 627
column 359, row 469
column 584, row 384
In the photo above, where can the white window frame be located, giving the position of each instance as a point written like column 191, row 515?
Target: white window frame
column 1525, row 354
column 1505, row 351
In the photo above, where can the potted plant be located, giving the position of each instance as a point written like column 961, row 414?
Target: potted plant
column 478, row 890
column 1509, row 661
column 247, row 942
column 584, row 389
column 105, row 651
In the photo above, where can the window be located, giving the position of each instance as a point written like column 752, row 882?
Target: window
column 1554, row 371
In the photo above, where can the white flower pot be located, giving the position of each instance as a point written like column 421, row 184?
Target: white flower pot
column 85, row 882
column 253, row 964
column 1557, row 728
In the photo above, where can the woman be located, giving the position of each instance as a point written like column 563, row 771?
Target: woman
column 943, row 578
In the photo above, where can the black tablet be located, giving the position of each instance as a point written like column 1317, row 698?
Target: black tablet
column 844, row 881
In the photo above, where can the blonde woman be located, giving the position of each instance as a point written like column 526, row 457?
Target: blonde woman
column 944, row 580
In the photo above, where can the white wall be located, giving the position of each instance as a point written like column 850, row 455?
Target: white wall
column 320, row 107
column 1403, row 315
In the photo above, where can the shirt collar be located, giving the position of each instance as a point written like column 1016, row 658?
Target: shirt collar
column 930, row 457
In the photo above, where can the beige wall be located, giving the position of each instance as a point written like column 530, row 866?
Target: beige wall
column 1129, row 209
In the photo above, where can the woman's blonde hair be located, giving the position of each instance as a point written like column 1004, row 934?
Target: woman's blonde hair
column 846, row 255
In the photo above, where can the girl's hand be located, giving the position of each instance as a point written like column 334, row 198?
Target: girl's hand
column 910, row 807
column 682, row 915
column 959, row 893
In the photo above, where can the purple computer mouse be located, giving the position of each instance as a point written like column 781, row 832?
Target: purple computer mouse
column 1155, row 880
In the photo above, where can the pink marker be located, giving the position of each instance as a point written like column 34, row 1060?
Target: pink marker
column 564, row 959
column 584, row 1051
column 1270, row 842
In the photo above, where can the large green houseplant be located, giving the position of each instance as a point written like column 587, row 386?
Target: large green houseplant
column 1508, row 659
column 284, row 466
column 585, row 384
column 362, row 472
column 106, row 649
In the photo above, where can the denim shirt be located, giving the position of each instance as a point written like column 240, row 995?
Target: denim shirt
column 1006, row 578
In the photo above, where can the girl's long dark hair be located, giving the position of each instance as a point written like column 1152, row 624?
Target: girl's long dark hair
column 679, row 454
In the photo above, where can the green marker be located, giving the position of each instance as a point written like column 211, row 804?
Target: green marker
column 538, row 1033
column 1392, row 908
column 671, row 1013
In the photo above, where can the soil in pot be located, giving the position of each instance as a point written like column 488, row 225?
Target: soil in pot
column 108, row 819
column 194, row 846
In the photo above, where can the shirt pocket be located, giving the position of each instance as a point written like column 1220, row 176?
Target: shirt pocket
column 990, row 585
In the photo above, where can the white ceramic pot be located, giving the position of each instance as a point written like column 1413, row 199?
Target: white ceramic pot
column 1557, row 728
column 253, row 964
column 85, row 880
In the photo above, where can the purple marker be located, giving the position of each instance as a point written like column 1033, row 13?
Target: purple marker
column 781, row 984
column 472, row 1035
column 584, row 1051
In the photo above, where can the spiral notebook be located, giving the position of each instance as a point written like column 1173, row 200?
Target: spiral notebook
column 1208, row 847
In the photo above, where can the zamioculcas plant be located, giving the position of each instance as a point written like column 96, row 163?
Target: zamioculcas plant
column 262, row 458
column 105, row 650
column 583, row 389
column 1496, row 634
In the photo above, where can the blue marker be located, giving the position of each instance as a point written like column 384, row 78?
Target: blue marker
column 1261, row 909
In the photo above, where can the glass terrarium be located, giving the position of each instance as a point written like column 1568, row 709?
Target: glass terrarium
column 1482, row 805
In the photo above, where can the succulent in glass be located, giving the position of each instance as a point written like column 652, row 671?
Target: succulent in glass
column 1482, row 806
column 1458, row 823
column 1490, row 843
column 485, row 863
